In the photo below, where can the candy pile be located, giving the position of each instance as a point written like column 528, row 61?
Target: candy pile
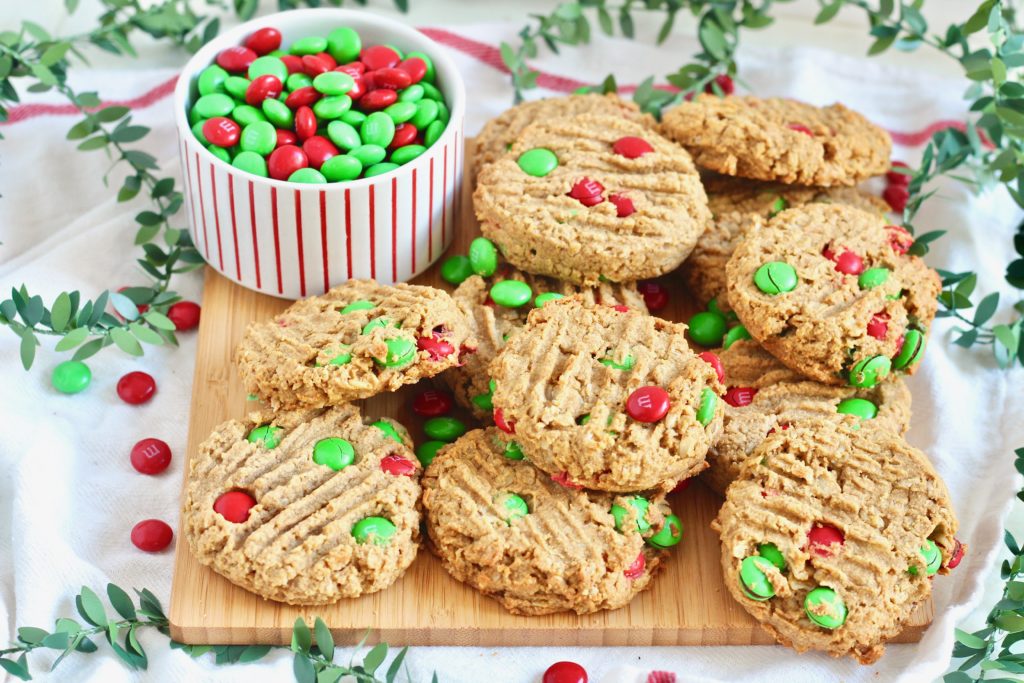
column 326, row 110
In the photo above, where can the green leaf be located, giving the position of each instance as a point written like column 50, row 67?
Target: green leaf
column 330, row 675
column 162, row 188
column 60, row 312
column 396, row 666
column 828, row 12
column 986, row 308
column 966, row 286
column 54, row 53
column 712, row 39
column 125, row 306
column 626, row 22
column 89, row 349
column 31, row 634
column 15, row 669
column 375, row 657
column 302, row 639
column 162, row 322
column 324, row 640
column 253, row 653
column 303, row 669
column 72, row 339
column 56, row 641
column 969, row 639
column 881, row 45
column 1009, row 621
column 131, row 186
column 28, row 348
column 96, row 142
column 90, row 607
column 112, row 113
column 125, row 341
column 145, row 334
column 604, row 19
column 36, row 31
column 121, row 601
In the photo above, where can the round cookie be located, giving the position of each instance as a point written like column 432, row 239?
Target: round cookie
column 740, row 205
column 304, row 507
column 610, row 400
column 491, row 324
column 764, row 396
column 592, row 198
column 357, row 340
column 537, row 547
column 831, row 534
column 781, row 140
column 499, row 133
column 830, row 291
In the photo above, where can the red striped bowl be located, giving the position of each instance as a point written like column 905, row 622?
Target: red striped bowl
column 293, row 240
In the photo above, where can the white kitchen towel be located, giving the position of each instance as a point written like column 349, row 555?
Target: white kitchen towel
column 69, row 497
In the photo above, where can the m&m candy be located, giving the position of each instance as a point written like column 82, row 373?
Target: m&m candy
column 151, row 535
column 136, row 387
column 234, row 506
column 150, row 456
column 566, row 672
column 648, row 404
column 825, row 608
column 776, row 277
column 71, row 377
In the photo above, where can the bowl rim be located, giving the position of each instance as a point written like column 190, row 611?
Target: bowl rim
column 205, row 57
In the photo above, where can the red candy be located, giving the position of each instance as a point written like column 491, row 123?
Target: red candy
column 222, row 131
column 392, row 79
column 587, row 191
column 293, row 64
column 286, row 137
column 353, row 69
column 368, row 81
column 562, row 479
column 784, row 426
column 151, row 535
column 234, row 506
column 314, row 65
column 319, row 149
column 878, row 327
column 437, row 348
column 136, row 387
column 266, row 87
column 822, row 539
column 899, row 239
column 305, row 123
column 738, row 397
column 499, row 420
column 184, row 315
column 151, row 456
column 302, row 97
column 958, row 554
column 565, row 672
column 648, row 404
column 849, row 263
column 379, row 57
column 264, row 40
column 621, row 308
column 432, row 403
column 236, row 59
column 724, row 82
column 636, row 570
column 682, row 485
column 655, row 296
column 376, row 100
column 896, row 178
column 631, row 147
column 326, row 56
column 896, row 196
column 714, row 361
column 799, row 128
column 397, row 465
column 623, row 205
column 358, row 88
column 661, row 677
column 285, row 160
column 405, row 134
column 415, row 67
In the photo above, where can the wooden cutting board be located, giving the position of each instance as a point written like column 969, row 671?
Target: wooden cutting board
column 687, row 605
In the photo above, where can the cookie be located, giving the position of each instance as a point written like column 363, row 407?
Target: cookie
column 592, row 198
column 357, row 340
column 831, row 535
column 609, row 400
column 779, row 140
column 499, row 133
column 305, row 507
column 491, row 324
column 831, row 292
column 740, row 205
column 537, row 547
column 765, row 396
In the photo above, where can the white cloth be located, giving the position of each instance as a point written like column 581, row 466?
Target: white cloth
column 69, row 497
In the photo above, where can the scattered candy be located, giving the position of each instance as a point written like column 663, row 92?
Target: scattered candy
column 267, row 435
column 636, row 570
column 849, row 263
column 513, row 451
column 957, row 556
column 734, row 335
column 376, row 530
column 151, row 535
column 873, row 277
column 771, row 552
column 542, row 299
column 511, row 293
column 895, row 177
column 136, row 387
column 640, row 506
column 738, row 397
column 538, row 162
column 899, row 239
column 825, row 608
column 234, row 506
column 776, row 277
column 427, row 451
column 562, row 479
column 648, row 404
column 670, row 534
column 866, row 372
column 911, row 350
column 150, row 456
column 932, row 557
column 483, row 257
column 715, row 362
column 397, row 465
column 437, row 348
column 623, row 205
column 432, row 403
column 631, row 147
column 878, row 326
column 588, row 192
column 401, row 351
column 71, row 377
column 708, row 404
column 334, row 452
column 445, row 429
column 565, row 672
column 655, row 295
column 896, row 196
column 861, row 407
column 724, row 83
column 753, row 576
column 707, row 328
column 515, row 506
column 822, row 540
column 184, row 315
column 389, row 430
column 499, row 421
column 361, row 305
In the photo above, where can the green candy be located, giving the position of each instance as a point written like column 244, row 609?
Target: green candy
column 344, row 135
column 389, row 430
column 414, row 93
column 344, row 44
column 707, row 328
column 873, row 277
column 211, row 80
column 214, row 104
column 542, row 299
column 197, row 130
column 400, row 112
column 511, row 293
column 627, row 362
column 298, row 80
column 776, row 277
column 513, row 451
column 911, row 351
column 670, row 534
column 771, row 552
column 455, row 269
column 404, row 155
column 780, row 204
column 866, row 372
column 250, row 162
column 734, row 335
column 753, row 578
column 244, row 114
column 932, row 559
column 538, row 162
column 341, row 167
column 425, row 113
column 360, row 305
column 377, row 323
column 861, row 407
column 194, row 117
column 378, row 129
column 309, row 45
column 483, row 401
column 640, row 506
column 427, row 451
column 430, row 73
column 278, row 113
column 515, row 506
column 401, row 351
column 433, row 133
column 262, row 66
column 715, row 308
column 353, row 117
column 343, row 358
column 483, row 257
column 236, row 86
column 219, row 152
column 379, row 169
column 708, row 403
column 431, row 92
column 333, row 83
column 332, row 107
column 442, row 112
column 369, row 155
column 825, row 608
column 267, row 435
column 445, row 429
column 373, row 529
column 334, row 452
column 307, row 175
column 71, row 377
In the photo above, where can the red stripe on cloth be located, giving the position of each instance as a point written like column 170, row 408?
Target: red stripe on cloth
column 444, row 200
column 373, row 237
column 323, row 239
column 348, row 232
column 430, row 225
column 298, row 240
column 922, row 136
column 216, row 217
column 234, row 225
column 30, row 111
column 394, row 229
column 414, row 220
column 255, row 241
column 277, row 238
column 202, row 209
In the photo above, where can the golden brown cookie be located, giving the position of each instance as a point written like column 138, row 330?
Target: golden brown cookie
column 764, row 396
column 779, row 140
column 831, row 534
column 304, row 507
column 610, row 400
column 537, row 547
column 499, row 133
column 592, row 198
column 830, row 291
column 359, row 339
column 740, row 205
column 491, row 324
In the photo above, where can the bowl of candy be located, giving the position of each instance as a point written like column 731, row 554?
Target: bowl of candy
column 319, row 146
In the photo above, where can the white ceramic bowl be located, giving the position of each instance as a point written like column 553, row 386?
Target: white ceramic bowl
column 293, row 240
